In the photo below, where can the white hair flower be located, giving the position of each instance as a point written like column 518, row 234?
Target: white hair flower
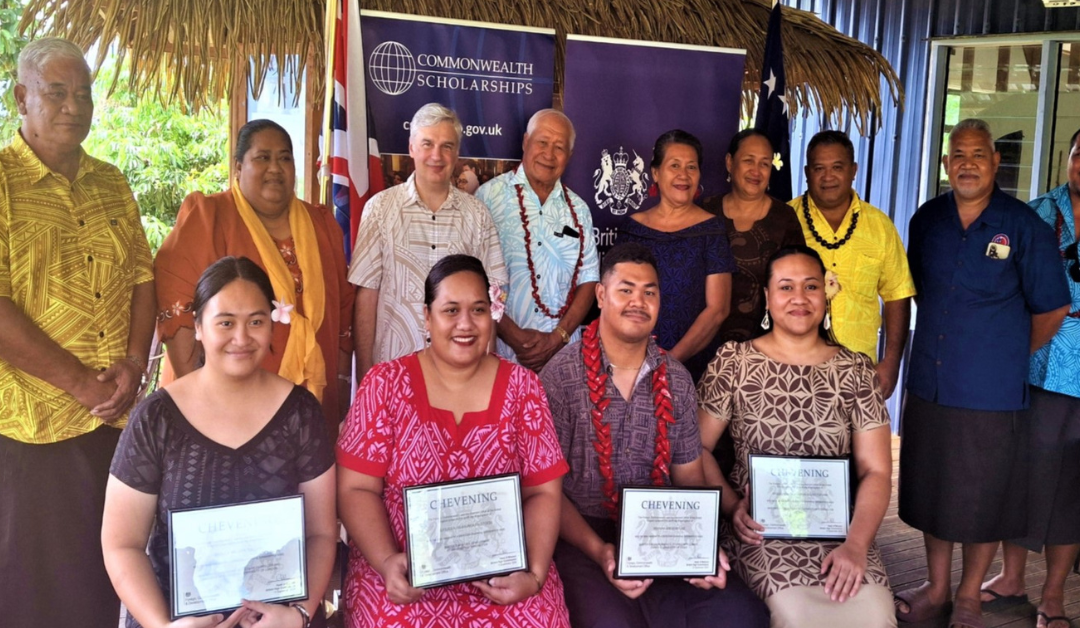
column 281, row 313
column 498, row 302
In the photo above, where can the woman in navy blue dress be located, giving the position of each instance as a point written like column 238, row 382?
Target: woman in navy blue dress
column 692, row 248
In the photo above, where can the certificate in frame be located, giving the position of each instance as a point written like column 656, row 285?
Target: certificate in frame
column 222, row 555
column 801, row 498
column 668, row 532
column 464, row 530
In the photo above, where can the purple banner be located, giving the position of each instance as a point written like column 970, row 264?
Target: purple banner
column 494, row 77
column 621, row 95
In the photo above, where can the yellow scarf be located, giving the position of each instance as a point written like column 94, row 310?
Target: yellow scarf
column 302, row 362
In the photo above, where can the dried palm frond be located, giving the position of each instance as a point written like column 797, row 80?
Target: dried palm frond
column 191, row 49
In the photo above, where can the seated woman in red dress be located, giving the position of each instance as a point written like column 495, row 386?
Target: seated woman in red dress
column 450, row 412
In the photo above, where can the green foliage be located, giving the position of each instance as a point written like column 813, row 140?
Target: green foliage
column 164, row 152
column 11, row 43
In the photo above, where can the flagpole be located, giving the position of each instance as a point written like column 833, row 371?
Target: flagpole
column 329, row 40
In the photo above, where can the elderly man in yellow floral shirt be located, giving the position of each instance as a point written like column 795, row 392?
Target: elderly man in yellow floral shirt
column 77, row 305
column 862, row 252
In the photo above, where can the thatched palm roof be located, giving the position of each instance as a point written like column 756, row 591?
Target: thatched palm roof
column 190, row 49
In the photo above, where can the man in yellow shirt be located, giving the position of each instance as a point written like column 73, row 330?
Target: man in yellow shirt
column 77, row 312
column 860, row 245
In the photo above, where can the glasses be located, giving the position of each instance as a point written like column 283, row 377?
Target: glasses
column 1074, row 269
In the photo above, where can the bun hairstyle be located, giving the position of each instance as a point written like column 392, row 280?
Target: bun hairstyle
column 222, row 273
column 452, row 265
column 800, row 249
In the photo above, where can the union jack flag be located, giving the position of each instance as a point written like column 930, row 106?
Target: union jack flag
column 355, row 164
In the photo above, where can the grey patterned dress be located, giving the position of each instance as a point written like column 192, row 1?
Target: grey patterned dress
column 785, row 409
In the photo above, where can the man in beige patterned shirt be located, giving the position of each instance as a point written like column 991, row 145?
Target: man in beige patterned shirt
column 405, row 230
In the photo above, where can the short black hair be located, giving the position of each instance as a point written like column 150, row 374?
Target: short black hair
column 632, row 252
column 222, row 273
column 1072, row 142
column 733, row 145
column 247, row 134
column 452, row 265
column 830, row 138
column 674, row 136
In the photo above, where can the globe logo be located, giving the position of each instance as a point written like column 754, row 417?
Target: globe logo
column 391, row 68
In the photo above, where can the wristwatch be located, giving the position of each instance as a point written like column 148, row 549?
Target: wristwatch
column 304, row 612
column 562, row 334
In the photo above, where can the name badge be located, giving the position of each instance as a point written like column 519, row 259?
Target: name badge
column 998, row 247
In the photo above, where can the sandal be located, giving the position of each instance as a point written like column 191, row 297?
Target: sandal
column 1045, row 620
column 920, row 608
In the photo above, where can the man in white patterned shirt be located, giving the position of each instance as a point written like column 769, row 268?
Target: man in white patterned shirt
column 546, row 233
column 404, row 231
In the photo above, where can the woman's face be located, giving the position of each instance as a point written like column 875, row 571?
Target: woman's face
column 795, row 296
column 459, row 319
column 234, row 328
column 267, row 172
column 679, row 174
column 751, row 167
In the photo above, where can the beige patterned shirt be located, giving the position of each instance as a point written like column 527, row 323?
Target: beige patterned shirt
column 399, row 241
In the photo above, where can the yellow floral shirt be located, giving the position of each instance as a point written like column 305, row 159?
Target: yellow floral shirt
column 871, row 265
column 70, row 256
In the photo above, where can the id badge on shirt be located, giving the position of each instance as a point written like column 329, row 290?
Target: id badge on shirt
column 999, row 247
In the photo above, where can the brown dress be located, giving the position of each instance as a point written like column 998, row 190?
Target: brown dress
column 785, row 409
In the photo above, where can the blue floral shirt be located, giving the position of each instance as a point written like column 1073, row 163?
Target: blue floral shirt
column 1054, row 367
column 554, row 249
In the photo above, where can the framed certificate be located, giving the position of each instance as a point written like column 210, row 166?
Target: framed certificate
column 464, row 530
column 222, row 555
column 668, row 532
column 801, row 498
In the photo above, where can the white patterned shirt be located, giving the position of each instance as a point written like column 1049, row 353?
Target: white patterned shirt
column 399, row 241
column 554, row 252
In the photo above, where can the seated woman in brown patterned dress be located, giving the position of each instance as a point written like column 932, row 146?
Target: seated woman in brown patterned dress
column 795, row 392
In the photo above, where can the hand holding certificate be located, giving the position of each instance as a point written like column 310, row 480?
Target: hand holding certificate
column 463, row 531
column 800, row 498
column 668, row 532
column 223, row 555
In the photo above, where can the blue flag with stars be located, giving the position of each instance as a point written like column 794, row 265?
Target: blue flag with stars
column 772, row 112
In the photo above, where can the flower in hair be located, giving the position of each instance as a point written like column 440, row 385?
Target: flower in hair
column 498, row 302
column 832, row 285
column 281, row 313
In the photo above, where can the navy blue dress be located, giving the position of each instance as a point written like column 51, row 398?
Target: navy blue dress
column 686, row 258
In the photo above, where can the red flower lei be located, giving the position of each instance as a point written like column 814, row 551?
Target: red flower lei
column 528, row 254
column 597, row 380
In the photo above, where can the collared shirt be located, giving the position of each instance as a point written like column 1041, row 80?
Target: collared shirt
column 870, row 265
column 70, row 256
column 633, row 424
column 399, row 241
column 554, row 252
column 1054, row 366
column 973, row 330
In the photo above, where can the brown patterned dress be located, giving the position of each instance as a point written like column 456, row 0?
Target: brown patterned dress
column 785, row 409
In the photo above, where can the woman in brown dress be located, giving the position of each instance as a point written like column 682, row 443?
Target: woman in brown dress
column 757, row 224
column 794, row 392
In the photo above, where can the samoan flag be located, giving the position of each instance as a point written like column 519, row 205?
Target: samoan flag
column 773, row 112
column 355, row 164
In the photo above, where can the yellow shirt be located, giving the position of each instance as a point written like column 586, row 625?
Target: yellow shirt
column 871, row 265
column 70, row 256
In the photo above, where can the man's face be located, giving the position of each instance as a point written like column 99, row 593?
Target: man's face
column 629, row 300
column 829, row 175
column 971, row 164
column 434, row 150
column 546, row 151
column 56, row 105
column 1074, row 168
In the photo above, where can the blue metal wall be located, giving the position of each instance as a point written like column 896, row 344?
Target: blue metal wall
column 889, row 160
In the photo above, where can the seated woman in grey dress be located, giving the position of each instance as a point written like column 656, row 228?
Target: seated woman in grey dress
column 795, row 392
column 227, row 433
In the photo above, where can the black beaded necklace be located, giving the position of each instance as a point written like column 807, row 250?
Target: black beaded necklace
column 817, row 236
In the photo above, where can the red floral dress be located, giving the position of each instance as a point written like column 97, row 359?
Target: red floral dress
column 393, row 432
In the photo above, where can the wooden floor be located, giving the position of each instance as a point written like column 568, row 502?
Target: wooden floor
column 905, row 560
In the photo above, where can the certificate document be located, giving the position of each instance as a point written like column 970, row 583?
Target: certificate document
column 222, row 555
column 668, row 532
column 464, row 530
column 800, row 498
